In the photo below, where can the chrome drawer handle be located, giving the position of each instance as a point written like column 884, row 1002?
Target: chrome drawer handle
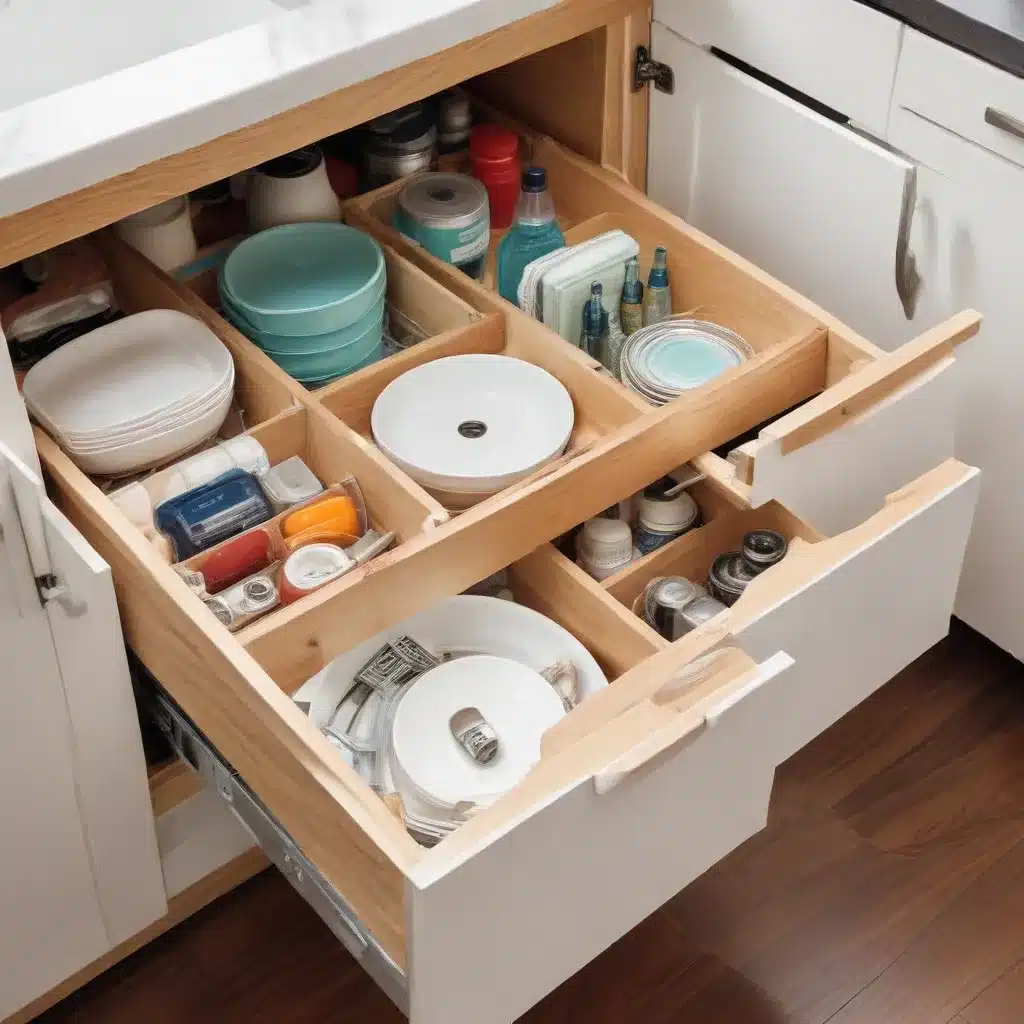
column 1004, row 122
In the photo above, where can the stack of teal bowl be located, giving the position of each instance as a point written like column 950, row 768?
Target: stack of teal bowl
column 311, row 295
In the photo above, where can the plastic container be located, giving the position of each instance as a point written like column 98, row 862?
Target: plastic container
column 237, row 559
column 310, row 568
column 494, row 161
column 604, row 546
column 339, row 510
column 534, row 233
column 292, row 188
column 302, row 279
column 290, row 482
column 163, row 233
column 204, row 516
column 448, row 214
column 661, row 519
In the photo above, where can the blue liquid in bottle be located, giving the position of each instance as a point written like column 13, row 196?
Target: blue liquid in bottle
column 534, row 233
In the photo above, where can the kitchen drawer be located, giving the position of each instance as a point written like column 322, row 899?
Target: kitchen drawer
column 646, row 784
column 821, row 459
column 838, row 52
column 963, row 94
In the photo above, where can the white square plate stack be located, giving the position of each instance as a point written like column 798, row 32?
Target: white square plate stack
column 134, row 393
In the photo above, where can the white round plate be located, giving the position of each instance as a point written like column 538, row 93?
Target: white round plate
column 472, row 422
column 468, row 624
column 517, row 703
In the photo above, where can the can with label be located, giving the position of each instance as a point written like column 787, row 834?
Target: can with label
column 448, row 215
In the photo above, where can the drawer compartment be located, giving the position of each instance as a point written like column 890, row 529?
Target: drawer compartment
column 820, row 460
column 965, row 95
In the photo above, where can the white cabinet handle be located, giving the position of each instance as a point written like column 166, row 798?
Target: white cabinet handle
column 1004, row 122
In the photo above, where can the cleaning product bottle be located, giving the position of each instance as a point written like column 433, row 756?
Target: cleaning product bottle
column 534, row 233
column 631, row 309
column 658, row 301
column 594, row 337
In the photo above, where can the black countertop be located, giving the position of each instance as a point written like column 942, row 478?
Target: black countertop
column 992, row 30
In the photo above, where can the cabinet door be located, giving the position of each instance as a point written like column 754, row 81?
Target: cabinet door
column 970, row 203
column 79, row 867
column 805, row 198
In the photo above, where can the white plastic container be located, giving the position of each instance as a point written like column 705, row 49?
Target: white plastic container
column 604, row 547
column 163, row 233
column 291, row 189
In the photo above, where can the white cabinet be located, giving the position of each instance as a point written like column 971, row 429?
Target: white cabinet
column 811, row 201
column 79, row 865
column 970, row 206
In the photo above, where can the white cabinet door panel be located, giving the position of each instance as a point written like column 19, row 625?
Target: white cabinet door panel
column 841, row 53
column 52, row 920
column 110, row 767
column 971, row 198
column 807, row 199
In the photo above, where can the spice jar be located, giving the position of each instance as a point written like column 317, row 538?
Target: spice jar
column 494, row 161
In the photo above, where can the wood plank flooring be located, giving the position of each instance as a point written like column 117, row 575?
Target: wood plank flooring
column 888, row 888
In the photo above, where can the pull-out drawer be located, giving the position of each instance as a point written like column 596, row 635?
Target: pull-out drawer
column 647, row 783
column 821, row 459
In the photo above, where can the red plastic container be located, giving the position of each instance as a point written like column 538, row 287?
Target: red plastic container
column 494, row 161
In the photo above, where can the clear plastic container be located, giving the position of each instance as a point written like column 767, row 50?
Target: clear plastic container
column 290, row 482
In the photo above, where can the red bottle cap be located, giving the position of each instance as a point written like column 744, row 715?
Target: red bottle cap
column 492, row 142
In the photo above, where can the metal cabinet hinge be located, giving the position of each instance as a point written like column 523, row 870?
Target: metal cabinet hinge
column 646, row 69
column 50, row 588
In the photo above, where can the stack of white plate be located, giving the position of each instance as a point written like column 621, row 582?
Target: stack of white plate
column 498, row 650
column 464, row 427
column 135, row 393
column 662, row 361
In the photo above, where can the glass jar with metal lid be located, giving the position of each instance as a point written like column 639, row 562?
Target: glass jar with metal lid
column 399, row 144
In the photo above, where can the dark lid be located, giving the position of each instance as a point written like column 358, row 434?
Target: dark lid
column 535, row 179
column 493, row 142
column 293, row 165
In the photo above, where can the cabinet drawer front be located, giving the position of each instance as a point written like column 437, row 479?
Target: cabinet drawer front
column 595, row 841
column 963, row 94
column 840, row 53
column 870, row 602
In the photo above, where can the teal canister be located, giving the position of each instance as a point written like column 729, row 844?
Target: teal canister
column 448, row 215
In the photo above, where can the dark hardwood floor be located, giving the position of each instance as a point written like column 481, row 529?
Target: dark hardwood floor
column 888, row 888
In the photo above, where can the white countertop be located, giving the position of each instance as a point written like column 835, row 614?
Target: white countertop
column 92, row 88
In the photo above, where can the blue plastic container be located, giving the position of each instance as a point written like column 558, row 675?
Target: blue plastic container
column 306, row 344
column 302, row 279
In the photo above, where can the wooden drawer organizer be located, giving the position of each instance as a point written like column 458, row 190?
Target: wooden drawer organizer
column 635, row 795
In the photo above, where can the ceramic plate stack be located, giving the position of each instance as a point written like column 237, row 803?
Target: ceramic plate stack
column 498, row 650
column 464, row 427
column 312, row 296
column 135, row 393
column 662, row 361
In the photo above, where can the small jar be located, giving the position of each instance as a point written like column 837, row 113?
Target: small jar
column 661, row 519
column 163, row 233
column 764, row 548
column 454, row 121
column 310, row 568
column 729, row 576
column 291, row 189
column 603, row 547
column 494, row 162
column 398, row 144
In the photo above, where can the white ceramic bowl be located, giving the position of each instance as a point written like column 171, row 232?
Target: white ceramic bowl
column 472, row 423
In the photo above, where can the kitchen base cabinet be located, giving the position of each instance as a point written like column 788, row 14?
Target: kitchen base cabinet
column 671, row 766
